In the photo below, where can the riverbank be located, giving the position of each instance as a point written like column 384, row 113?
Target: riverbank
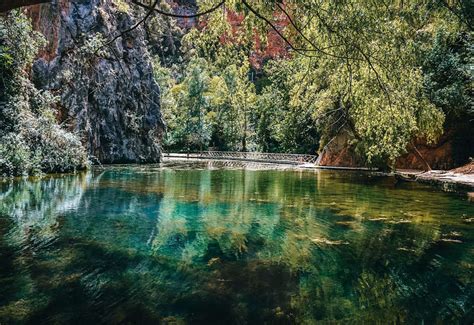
column 448, row 180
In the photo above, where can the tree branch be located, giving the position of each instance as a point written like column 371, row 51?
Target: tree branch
column 169, row 14
column 302, row 51
column 148, row 14
column 269, row 23
column 300, row 32
column 364, row 55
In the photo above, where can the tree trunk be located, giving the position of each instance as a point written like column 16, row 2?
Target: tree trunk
column 6, row 5
column 419, row 155
column 244, row 138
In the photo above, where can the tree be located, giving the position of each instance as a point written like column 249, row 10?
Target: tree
column 186, row 109
column 242, row 99
column 447, row 83
column 283, row 125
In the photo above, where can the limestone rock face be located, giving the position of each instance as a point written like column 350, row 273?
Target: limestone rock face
column 108, row 97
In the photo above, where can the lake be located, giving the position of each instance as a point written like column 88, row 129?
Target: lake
column 217, row 243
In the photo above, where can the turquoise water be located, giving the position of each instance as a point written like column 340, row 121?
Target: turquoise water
column 213, row 243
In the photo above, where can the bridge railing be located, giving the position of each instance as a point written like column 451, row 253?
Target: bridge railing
column 285, row 158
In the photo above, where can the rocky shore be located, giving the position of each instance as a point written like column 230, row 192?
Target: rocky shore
column 459, row 179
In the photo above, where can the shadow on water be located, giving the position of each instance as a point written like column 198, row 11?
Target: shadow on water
column 210, row 243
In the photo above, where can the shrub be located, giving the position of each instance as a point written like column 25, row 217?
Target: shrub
column 31, row 141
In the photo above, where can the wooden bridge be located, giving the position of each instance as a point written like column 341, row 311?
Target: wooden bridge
column 275, row 158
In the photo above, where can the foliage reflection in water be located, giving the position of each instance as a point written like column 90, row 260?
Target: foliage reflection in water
column 198, row 243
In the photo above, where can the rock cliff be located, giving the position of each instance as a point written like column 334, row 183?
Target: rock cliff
column 439, row 155
column 108, row 94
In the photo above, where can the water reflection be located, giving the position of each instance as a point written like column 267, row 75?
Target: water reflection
column 198, row 243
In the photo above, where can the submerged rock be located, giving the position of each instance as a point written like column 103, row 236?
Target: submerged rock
column 108, row 94
column 451, row 240
column 325, row 241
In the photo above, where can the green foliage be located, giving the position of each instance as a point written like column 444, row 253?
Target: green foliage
column 240, row 98
column 164, row 36
column 31, row 141
column 203, row 111
column 121, row 5
column 447, row 77
column 18, row 45
column 185, row 107
column 449, row 82
column 387, row 75
column 284, row 125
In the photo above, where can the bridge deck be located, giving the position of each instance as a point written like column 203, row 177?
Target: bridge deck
column 276, row 158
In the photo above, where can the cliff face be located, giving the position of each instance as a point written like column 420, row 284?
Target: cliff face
column 107, row 95
column 184, row 7
column 440, row 155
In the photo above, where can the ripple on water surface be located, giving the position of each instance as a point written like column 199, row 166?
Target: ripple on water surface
column 223, row 242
